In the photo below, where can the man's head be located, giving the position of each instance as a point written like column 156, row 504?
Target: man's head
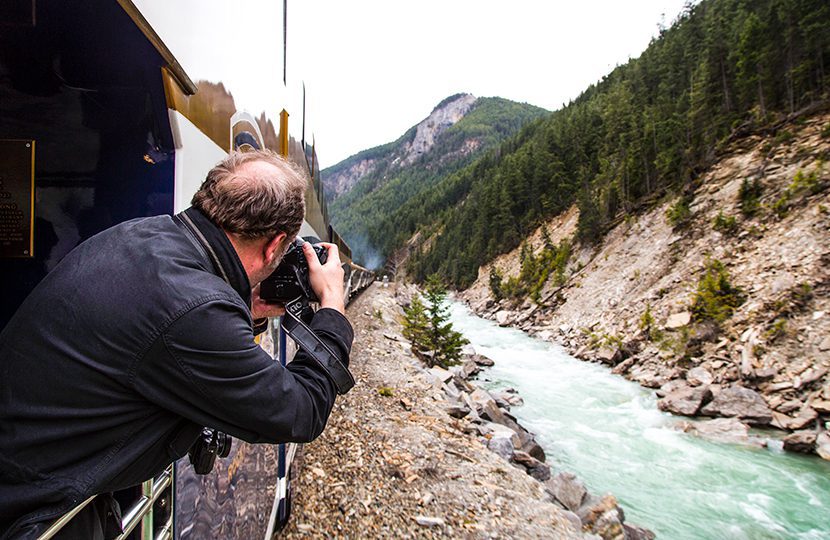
column 258, row 199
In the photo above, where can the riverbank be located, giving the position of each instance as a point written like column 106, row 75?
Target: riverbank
column 610, row 432
column 760, row 214
column 393, row 463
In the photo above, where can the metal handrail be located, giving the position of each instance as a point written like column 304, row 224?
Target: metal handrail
column 61, row 522
column 166, row 533
column 141, row 511
column 145, row 505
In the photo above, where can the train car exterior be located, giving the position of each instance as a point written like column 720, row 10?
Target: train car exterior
column 116, row 109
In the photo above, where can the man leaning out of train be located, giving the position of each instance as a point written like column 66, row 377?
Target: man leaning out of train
column 144, row 334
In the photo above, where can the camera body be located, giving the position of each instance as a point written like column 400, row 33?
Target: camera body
column 290, row 279
column 203, row 452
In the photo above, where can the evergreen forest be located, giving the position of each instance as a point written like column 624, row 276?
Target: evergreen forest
column 365, row 215
column 722, row 70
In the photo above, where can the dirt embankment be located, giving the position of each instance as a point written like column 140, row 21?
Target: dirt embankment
column 393, row 464
column 766, row 364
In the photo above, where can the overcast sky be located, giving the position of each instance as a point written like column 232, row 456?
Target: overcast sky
column 374, row 68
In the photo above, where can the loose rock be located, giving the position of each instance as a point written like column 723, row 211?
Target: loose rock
column 698, row 376
column 679, row 320
column 741, row 402
column 686, row 401
column 567, row 489
column 602, row 516
column 823, row 445
column 728, row 430
column 801, row 441
column 427, row 521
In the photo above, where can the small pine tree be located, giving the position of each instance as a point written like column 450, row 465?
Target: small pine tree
column 716, row 298
column 427, row 326
column 495, row 283
column 416, row 326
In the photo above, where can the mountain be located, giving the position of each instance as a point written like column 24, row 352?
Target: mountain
column 731, row 295
column 725, row 69
column 367, row 188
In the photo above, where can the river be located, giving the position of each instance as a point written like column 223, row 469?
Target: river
column 609, row 432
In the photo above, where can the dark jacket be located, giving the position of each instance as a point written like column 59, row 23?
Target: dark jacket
column 113, row 364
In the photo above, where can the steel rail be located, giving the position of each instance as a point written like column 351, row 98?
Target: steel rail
column 61, row 522
column 144, row 506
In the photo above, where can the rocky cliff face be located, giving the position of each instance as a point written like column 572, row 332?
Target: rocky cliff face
column 418, row 141
column 342, row 181
column 436, row 123
column 628, row 302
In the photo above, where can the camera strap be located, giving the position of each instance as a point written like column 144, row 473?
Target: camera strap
column 314, row 346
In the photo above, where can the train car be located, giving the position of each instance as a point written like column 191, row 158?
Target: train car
column 116, row 109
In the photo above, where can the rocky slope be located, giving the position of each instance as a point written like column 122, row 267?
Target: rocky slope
column 405, row 455
column 386, row 159
column 767, row 364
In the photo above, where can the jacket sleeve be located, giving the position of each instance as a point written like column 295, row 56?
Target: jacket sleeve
column 206, row 367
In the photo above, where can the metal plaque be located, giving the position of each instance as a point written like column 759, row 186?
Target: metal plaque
column 17, row 197
column 17, row 13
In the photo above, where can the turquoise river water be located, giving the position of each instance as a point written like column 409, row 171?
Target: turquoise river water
column 609, row 432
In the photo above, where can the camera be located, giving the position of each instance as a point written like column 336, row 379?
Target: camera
column 290, row 279
column 203, row 452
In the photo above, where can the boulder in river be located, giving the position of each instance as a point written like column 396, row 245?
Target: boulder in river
column 740, row 402
column 483, row 360
column 511, row 399
column 489, row 411
column 530, row 446
column 686, row 401
column 823, row 445
column 801, row 441
column 633, row 532
column 728, row 430
column 535, row 468
column 567, row 489
column 602, row 516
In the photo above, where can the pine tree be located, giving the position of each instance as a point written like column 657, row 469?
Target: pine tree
column 416, row 326
column 446, row 342
column 495, row 283
column 427, row 326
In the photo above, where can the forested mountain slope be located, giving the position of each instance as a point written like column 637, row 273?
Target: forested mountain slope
column 370, row 187
column 723, row 290
column 725, row 69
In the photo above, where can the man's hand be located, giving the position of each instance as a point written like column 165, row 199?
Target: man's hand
column 326, row 279
column 260, row 308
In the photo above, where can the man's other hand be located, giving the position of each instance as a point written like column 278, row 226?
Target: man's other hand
column 326, row 279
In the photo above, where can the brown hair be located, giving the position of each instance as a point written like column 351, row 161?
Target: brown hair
column 249, row 203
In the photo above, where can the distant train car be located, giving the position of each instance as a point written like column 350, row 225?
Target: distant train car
column 116, row 109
